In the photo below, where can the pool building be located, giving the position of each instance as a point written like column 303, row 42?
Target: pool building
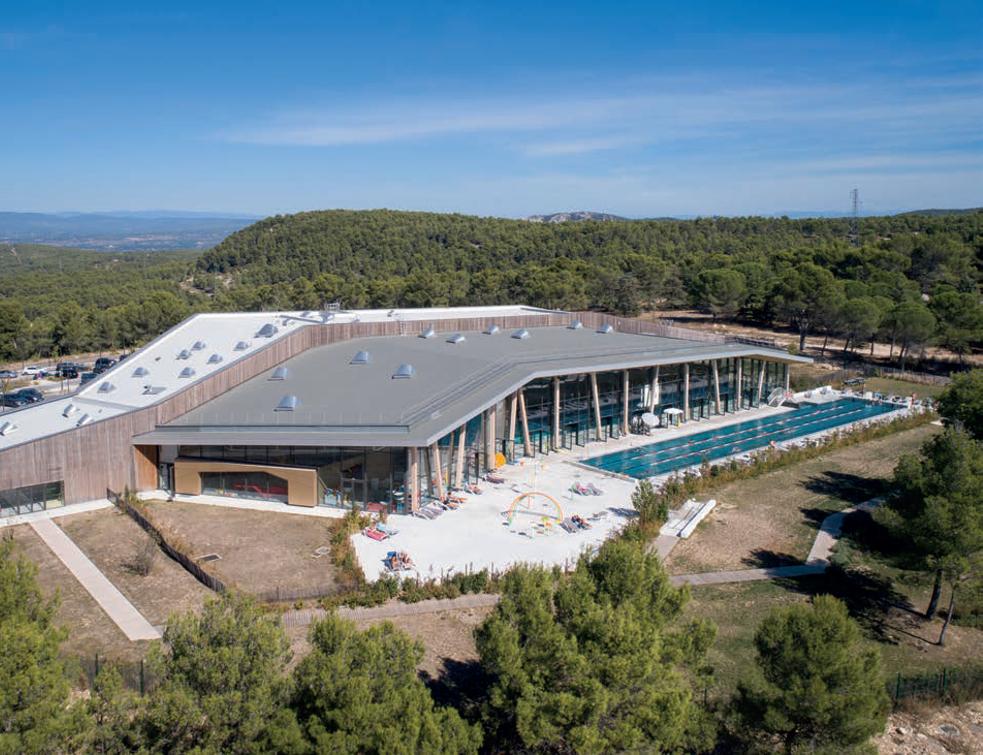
column 372, row 408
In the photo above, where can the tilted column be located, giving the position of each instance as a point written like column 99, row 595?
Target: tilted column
column 435, row 470
column 413, row 473
column 526, row 440
column 596, row 400
column 740, row 383
column 459, row 461
column 513, row 405
column 555, row 440
column 626, row 409
column 686, row 392
column 716, row 386
column 761, row 380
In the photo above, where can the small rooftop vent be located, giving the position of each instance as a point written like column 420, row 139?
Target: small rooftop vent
column 83, row 420
column 241, row 346
column 521, row 334
column 327, row 316
column 215, row 359
column 140, row 372
column 606, row 328
column 185, row 354
column 575, row 325
column 428, row 333
column 362, row 357
column 456, row 338
column 198, row 346
column 106, row 387
column 8, row 428
column 280, row 373
column 153, row 390
column 287, row 404
column 187, row 372
column 69, row 410
column 404, row 371
column 267, row 331
column 492, row 330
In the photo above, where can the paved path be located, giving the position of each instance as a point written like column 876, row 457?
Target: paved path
column 69, row 510
column 391, row 610
column 112, row 601
column 816, row 563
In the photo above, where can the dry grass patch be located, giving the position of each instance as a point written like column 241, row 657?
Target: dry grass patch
column 773, row 519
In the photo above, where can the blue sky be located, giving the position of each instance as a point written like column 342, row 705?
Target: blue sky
column 643, row 109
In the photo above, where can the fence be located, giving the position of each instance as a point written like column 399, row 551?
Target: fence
column 947, row 684
column 190, row 565
column 134, row 674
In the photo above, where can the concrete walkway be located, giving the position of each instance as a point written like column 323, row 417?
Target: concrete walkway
column 70, row 510
column 112, row 601
column 391, row 610
column 816, row 563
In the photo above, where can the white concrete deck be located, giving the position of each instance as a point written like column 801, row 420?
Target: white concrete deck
column 38, row 516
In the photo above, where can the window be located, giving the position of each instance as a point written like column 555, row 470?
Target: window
column 256, row 485
column 49, row 495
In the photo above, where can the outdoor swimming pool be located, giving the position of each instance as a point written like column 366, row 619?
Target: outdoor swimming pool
column 690, row 450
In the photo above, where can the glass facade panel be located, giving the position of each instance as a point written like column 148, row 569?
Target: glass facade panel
column 257, row 485
column 32, row 498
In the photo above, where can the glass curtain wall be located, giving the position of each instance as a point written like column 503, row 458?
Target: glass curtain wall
column 50, row 495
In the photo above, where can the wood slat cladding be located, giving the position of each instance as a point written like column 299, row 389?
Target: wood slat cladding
column 99, row 456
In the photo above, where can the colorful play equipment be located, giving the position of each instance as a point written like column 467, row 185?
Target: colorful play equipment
column 527, row 497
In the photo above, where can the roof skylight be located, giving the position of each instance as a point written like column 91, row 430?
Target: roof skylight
column 198, row 346
column 215, row 359
column 187, row 372
column 153, row 390
column 428, row 333
column 106, row 387
column 7, row 428
column 404, row 371
column 362, row 357
column 185, row 354
column 140, row 372
column 575, row 325
column 491, row 330
column 456, row 338
column 84, row 419
column 280, row 373
column 606, row 328
column 69, row 410
column 287, row 404
column 521, row 334
column 267, row 331
column 241, row 346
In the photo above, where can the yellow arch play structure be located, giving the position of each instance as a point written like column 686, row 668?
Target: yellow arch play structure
column 532, row 493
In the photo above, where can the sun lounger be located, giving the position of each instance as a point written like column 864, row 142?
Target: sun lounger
column 594, row 490
column 580, row 522
column 579, row 489
column 387, row 528
column 373, row 534
column 568, row 525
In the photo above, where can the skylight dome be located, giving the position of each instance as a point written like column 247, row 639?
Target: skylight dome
column 140, row 372
column 69, row 410
column 287, row 404
column 267, row 331
column 575, row 325
column 185, row 354
column 153, row 390
column 606, row 328
column 106, row 387
column 491, row 330
column 404, row 372
column 456, row 338
column 241, row 346
column 362, row 357
column 84, row 419
column 7, row 428
column 187, row 372
column 428, row 333
column 280, row 373
column 521, row 334
column 215, row 359
column 198, row 346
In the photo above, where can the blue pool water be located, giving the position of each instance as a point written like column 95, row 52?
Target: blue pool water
column 690, row 450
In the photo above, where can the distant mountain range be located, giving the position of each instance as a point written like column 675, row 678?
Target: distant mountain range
column 147, row 230
column 570, row 217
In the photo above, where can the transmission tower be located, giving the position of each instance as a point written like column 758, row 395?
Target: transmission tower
column 855, row 217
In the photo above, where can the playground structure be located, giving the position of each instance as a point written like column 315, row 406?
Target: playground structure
column 528, row 498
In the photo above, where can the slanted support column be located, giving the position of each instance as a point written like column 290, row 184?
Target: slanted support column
column 555, row 440
column 625, row 408
column 526, row 440
column 513, row 404
column 716, row 386
column 686, row 392
column 596, row 400
column 788, row 377
column 761, row 380
column 655, row 393
column 413, row 473
column 459, row 461
column 491, row 417
column 436, row 471
column 740, row 383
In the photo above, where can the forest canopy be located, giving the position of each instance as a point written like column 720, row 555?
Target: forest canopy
column 913, row 279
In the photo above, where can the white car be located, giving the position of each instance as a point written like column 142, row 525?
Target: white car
column 33, row 371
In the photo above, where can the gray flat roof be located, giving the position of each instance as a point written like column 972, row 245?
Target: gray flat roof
column 338, row 403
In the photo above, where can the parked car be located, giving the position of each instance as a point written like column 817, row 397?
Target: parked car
column 86, row 377
column 14, row 400
column 8, row 375
column 102, row 364
column 34, row 371
column 67, row 370
column 33, row 395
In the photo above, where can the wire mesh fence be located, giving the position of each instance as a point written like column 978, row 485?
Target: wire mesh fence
column 947, row 684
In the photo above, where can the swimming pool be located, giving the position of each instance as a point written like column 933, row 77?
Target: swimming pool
column 690, row 450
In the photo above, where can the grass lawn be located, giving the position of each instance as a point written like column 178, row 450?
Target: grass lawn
column 884, row 598
column 258, row 551
column 772, row 519
column 902, row 387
